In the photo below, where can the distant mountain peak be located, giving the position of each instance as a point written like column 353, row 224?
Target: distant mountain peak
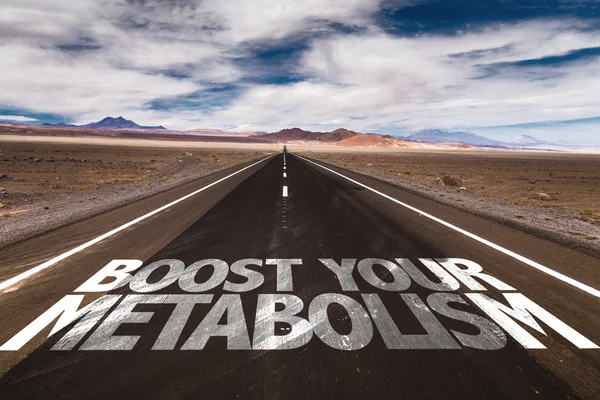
column 109, row 123
column 338, row 135
column 292, row 134
column 469, row 138
column 525, row 139
column 300, row 134
column 441, row 136
column 60, row 125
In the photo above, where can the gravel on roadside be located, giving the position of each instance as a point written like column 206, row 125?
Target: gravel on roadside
column 45, row 214
column 560, row 225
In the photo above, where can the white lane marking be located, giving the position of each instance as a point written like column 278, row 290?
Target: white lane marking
column 285, row 191
column 284, row 175
column 284, row 167
column 16, row 279
column 531, row 263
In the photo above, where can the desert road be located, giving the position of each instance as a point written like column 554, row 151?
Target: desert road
column 288, row 278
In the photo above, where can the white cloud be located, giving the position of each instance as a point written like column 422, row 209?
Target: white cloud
column 367, row 81
column 16, row 118
column 47, row 80
column 412, row 83
column 45, row 21
column 268, row 19
column 133, row 42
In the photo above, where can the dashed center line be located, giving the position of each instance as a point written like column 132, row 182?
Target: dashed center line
column 284, row 193
column 284, row 210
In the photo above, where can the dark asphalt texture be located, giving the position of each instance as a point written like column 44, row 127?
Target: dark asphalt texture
column 324, row 216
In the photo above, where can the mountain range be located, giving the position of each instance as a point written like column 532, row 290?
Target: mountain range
column 440, row 136
column 108, row 123
column 346, row 137
column 469, row 138
column 340, row 137
column 300, row 134
column 526, row 140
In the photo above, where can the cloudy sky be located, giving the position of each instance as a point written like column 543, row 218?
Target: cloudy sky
column 497, row 67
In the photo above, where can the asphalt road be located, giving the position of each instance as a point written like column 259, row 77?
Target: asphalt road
column 236, row 295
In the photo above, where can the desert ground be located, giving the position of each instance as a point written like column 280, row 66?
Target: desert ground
column 47, row 183
column 556, row 195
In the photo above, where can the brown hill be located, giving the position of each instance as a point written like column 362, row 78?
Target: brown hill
column 372, row 140
column 286, row 135
column 338, row 135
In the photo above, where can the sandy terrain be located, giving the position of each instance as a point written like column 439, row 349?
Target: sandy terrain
column 8, row 131
column 556, row 195
column 199, row 142
column 44, row 185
